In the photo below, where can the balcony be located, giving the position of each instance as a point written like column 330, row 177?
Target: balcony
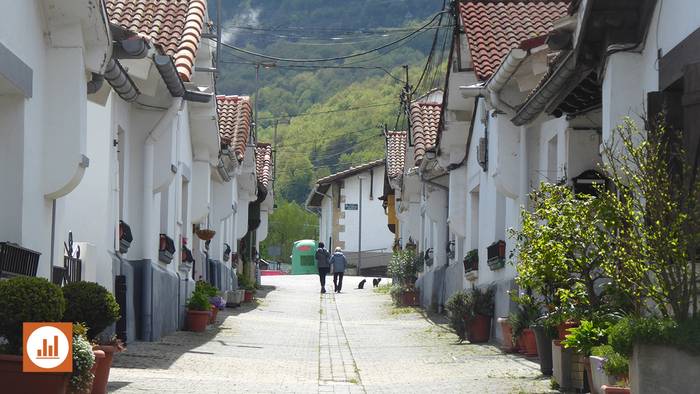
column 17, row 261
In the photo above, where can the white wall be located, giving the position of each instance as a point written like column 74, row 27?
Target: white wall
column 630, row 76
column 375, row 233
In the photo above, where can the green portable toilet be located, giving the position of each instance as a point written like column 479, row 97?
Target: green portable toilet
column 303, row 260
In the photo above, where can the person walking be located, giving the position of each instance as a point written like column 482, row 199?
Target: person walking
column 338, row 263
column 322, row 256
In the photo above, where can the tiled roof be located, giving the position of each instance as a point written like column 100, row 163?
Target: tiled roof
column 350, row 171
column 174, row 25
column 494, row 27
column 263, row 163
column 234, row 122
column 395, row 153
column 425, row 120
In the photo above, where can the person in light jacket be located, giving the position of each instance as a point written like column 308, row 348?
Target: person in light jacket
column 322, row 256
column 338, row 263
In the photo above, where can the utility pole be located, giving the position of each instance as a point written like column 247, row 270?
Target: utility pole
column 274, row 155
column 359, row 232
column 255, row 105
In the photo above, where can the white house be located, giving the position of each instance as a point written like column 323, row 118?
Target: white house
column 114, row 140
column 352, row 216
column 51, row 52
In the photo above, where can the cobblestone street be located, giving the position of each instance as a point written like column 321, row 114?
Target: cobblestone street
column 293, row 340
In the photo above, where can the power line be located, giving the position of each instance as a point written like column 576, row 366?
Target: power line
column 325, row 112
column 318, row 67
column 289, row 145
column 281, row 59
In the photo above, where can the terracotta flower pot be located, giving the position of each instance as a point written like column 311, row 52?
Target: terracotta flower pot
column 507, row 332
column 409, row 298
column 529, row 343
column 100, row 356
column 479, row 329
column 102, row 367
column 13, row 380
column 248, row 296
column 197, row 320
column 563, row 329
column 616, row 390
column 214, row 312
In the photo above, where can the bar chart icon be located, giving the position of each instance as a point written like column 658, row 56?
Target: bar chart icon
column 48, row 351
column 47, row 347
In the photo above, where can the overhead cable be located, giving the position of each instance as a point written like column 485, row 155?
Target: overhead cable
column 330, row 59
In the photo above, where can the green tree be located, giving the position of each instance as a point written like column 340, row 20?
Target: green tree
column 287, row 224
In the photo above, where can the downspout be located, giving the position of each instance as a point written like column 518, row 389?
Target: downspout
column 523, row 168
column 148, row 163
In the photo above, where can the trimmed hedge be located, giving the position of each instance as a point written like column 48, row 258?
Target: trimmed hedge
column 91, row 304
column 27, row 299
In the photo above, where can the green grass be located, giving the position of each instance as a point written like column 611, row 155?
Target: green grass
column 402, row 310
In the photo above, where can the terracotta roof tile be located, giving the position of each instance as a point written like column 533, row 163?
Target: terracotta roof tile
column 174, row 25
column 395, row 153
column 494, row 27
column 425, row 120
column 234, row 122
column 263, row 163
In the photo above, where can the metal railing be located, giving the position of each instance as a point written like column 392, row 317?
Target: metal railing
column 74, row 269
column 16, row 260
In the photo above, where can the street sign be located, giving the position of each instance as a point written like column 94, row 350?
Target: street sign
column 351, row 207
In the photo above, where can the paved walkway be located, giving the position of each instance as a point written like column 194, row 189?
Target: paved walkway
column 294, row 340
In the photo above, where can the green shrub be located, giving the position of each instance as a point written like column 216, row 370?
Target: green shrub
column 586, row 336
column 199, row 302
column 27, row 299
column 207, row 288
column 684, row 335
column 402, row 266
column 615, row 364
column 457, row 307
column 91, row 304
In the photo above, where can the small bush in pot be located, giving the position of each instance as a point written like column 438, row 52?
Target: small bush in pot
column 206, row 288
column 27, row 299
column 198, row 311
column 91, row 304
column 475, row 309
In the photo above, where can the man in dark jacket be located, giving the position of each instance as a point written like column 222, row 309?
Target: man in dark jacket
column 338, row 263
column 322, row 257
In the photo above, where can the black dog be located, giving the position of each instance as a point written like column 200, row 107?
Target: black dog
column 375, row 282
column 361, row 285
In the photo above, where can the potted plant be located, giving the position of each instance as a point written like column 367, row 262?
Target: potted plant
column 91, row 304
column 521, row 320
column 608, row 367
column 470, row 314
column 584, row 338
column 496, row 255
column 471, row 261
column 84, row 361
column 508, row 345
column 248, row 286
column 402, row 267
column 125, row 237
column 205, row 234
column 404, row 295
column 217, row 303
column 166, row 249
column 198, row 311
column 27, row 299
